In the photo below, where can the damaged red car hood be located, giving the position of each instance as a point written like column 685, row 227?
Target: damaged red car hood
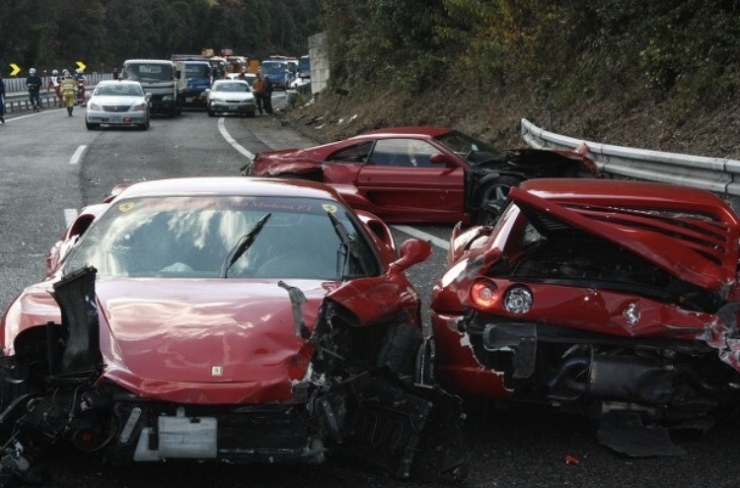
column 300, row 159
column 702, row 251
column 179, row 339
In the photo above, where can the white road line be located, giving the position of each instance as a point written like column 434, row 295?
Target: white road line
column 70, row 214
column 32, row 114
column 434, row 240
column 230, row 140
column 77, row 156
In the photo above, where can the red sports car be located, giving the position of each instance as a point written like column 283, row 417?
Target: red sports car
column 616, row 299
column 230, row 319
column 421, row 174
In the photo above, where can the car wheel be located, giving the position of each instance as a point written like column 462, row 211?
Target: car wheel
column 493, row 198
column 251, row 114
column 145, row 125
column 91, row 126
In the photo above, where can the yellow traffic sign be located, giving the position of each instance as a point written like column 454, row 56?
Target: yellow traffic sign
column 81, row 65
column 16, row 69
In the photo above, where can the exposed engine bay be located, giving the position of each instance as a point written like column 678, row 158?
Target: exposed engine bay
column 580, row 259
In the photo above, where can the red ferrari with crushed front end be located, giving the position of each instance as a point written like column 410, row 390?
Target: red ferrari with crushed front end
column 224, row 319
column 615, row 299
column 421, row 174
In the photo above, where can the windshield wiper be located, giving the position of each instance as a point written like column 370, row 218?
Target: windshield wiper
column 241, row 247
column 347, row 248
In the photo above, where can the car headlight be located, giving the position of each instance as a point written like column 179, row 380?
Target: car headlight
column 216, row 100
column 139, row 107
column 94, row 106
column 484, row 293
column 518, row 300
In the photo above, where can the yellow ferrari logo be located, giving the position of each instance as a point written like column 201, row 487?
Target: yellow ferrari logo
column 328, row 207
column 125, row 207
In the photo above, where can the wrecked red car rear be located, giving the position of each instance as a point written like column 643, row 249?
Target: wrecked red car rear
column 224, row 319
column 614, row 299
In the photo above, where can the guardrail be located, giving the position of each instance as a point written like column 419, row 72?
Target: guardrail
column 718, row 175
column 16, row 95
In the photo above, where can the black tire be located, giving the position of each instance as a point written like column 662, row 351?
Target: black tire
column 145, row 125
column 493, row 198
column 91, row 126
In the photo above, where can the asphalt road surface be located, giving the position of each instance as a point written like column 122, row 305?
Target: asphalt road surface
column 51, row 166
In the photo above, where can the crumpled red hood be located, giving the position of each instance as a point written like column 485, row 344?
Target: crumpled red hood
column 214, row 341
column 289, row 161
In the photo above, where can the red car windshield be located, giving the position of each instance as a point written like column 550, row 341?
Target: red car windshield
column 192, row 237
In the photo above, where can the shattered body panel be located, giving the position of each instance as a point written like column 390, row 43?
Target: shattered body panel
column 613, row 299
column 421, row 174
column 239, row 362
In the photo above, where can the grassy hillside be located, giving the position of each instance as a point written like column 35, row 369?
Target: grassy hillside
column 656, row 74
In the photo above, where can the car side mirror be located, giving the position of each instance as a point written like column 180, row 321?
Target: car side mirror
column 440, row 159
column 413, row 251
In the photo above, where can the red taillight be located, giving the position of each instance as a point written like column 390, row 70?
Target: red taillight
column 484, row 293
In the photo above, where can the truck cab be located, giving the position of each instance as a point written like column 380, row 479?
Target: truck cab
column 195, row 79
column 280, row 70
column 304, row 67
column 159, row 78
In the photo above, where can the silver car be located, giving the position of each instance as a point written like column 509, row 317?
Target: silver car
column 230, row 96
column 118, row 103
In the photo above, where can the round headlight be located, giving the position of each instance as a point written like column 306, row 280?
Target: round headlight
column 484, row 293
column 518, row 300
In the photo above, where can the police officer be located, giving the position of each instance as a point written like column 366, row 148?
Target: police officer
column 33, row 82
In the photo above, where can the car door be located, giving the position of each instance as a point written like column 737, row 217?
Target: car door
column 403, row 184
